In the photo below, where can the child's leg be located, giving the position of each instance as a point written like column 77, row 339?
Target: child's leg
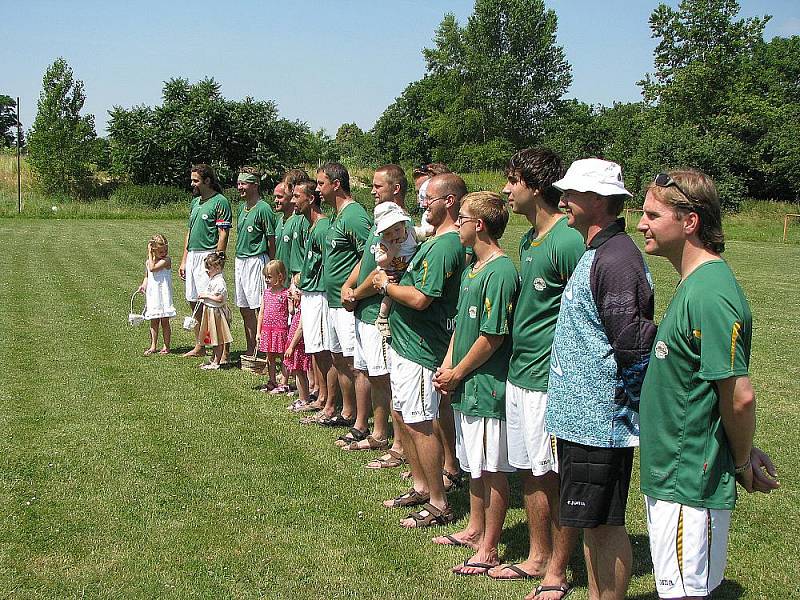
column 272, row 358
column 166, row 333
column 153, row 337
column 302, row 385
column 217, row 353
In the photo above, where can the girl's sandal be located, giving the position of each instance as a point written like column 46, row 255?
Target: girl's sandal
column 267, row 387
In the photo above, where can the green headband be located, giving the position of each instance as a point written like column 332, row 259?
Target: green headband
column 247, row 178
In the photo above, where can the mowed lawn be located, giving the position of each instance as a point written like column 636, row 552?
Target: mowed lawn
column 126, row 476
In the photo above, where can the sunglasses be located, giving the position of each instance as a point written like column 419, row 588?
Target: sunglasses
column 664, row 180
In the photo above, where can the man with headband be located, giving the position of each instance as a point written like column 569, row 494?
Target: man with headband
column 255, row 245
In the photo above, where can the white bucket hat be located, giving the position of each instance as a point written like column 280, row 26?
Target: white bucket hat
column 387, row 214
column 602, row 177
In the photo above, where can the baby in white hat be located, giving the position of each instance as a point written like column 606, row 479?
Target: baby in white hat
column 394, row 251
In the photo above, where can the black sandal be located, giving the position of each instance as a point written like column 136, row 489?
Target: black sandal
column 354, row 435
column 456, row 480
column 338, row 421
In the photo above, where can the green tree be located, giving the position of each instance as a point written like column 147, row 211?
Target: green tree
column 8, row 120
column 61, row 142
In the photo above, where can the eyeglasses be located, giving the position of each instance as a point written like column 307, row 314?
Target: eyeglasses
column 461, row 219
column 428, row 200
column 664, row 180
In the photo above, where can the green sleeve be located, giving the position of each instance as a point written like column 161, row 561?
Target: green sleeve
column 359, row 231
column 224, row 213
column 267, row 224
column 566, row 256
column 500, row 295
column 724, row 334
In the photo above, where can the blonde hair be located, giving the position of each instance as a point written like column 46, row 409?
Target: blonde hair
column 490, row 208
column 157, row 241
column 275, row 267
column 215, row 259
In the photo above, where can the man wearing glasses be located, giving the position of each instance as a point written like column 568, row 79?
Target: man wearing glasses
column 422, row 322
column 601, row 346
column 697, row 403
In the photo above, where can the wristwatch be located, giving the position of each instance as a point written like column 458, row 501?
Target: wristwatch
column 384, row 287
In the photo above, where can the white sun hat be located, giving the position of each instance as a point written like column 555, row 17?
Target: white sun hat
column 387, row 214
column 602, row 177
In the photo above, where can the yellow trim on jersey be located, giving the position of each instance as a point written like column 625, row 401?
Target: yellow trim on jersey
column 679, row 543
column 696, row 333
column 737, row 327
column 425, row 271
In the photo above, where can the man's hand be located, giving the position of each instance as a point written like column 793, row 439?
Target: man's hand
column 348, row 299
column 761, row 476
column 379, row 280
column 182, row 270
column 446, row 380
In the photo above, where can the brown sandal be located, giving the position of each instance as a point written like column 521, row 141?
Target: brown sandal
column 430, row 516
column 373, row 444
column 390, row 460
column 411, row 498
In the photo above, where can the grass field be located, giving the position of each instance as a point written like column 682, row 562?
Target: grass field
column 125, row 476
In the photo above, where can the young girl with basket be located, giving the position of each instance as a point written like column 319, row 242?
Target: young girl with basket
column 273, row 317
column 157, row 288
column 295, row 360
column 215, row 324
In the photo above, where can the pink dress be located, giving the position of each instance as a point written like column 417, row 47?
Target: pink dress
column 299, row 360
column 275, row 323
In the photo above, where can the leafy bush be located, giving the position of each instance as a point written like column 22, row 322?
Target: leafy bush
column 150, row 196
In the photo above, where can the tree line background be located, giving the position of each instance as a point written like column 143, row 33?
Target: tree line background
column 719, row 98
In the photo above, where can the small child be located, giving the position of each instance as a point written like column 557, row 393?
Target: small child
column 295, row 360
column 395, row 250
column 215, row 325
column 273, row 317
column 157, row 288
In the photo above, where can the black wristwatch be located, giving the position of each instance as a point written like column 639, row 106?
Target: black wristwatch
column 221, row 255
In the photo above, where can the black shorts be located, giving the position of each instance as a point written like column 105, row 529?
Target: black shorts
column 594, row 484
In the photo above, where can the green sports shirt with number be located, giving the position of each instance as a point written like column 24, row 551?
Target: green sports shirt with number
column 485, row 306
column 206, row 218
column 253, row 228
column 424, row 336
column 311, row 279
column 704, row 337
column 545, row 265
column 344, row 244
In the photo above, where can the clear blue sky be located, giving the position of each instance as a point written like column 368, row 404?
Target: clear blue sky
column 325, row 63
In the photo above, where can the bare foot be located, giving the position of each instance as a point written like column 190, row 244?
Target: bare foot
column 195, row 352
column 517, row 571
column 478, row 564
column 163, row 351
column 212, row 366
column 462, row 538
column 560, row 589
column 149, row 351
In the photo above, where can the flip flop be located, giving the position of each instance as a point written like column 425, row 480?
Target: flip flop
column 521, row 574
column 451, row 541
column 565, row 590
column 474, row 565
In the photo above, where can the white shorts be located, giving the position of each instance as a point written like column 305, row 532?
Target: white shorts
column 342, row 327
column 530, row 447
column 481, row 445
column 314, row 319
column 371, row 352
column 694, row 564
column 249, row 280
column 196, row 276
column 413, row 395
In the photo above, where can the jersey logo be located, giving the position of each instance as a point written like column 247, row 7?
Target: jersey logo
column 204, row 216
column 294, row 235
column 529, row 259
column 249, row 229
column 555, row 364
column 286, row 239
column 568, row 291
column 309, row 253
column 473, row 312
column 661, row 351
column 539, row 285
column 488, row 306
column 333, row 243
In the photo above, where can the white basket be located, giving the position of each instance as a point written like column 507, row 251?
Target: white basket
column 135, row 319
column 190, row 322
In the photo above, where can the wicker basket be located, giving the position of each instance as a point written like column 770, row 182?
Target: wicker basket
column 253, row 363
column 135, row 319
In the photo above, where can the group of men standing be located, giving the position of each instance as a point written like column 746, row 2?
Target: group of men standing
column 557, row 371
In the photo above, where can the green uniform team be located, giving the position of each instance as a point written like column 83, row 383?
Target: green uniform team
column 204, row 220
column 253, row 227
column 368, row 308
column 344, row 246
column 311, row 279
column 290, row 236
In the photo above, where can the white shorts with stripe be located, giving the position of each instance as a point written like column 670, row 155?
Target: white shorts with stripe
column 196, row 276
column 342, row 327
column 481, row 445
column 314, row 319
column 689, row 547
column 530, row 447
column 413, row 395
column 249, row 280
column 371, row 350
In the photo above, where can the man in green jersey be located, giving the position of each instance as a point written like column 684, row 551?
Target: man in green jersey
column 311, row 288
column 422, row 323
column 344, row 245
column 697, row 409
column 474, row 372
column 209, row 223
column 255, row 243
column 295, row 226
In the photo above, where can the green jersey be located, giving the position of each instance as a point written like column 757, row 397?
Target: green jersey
column 206, row 218
column 704, row 337
column 253, row 227
column 299, row 237
column 291, row 232
column 424, row 336
column 545, row 265
column 485, row 305
column 311, row 279
column 344, row 245
column 368, row 308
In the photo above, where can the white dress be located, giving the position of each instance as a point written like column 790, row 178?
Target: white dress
column 158, row 295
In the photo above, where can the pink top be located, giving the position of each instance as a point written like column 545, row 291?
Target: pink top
column 276, row 309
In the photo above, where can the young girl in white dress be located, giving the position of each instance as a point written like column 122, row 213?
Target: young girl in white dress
column 157, row 288
column 215, row 325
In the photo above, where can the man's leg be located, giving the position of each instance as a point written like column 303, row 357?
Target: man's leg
column 426, row 463
column 324, row 364
column 446, row 430
column 381, row 395
column 250, row 320
column 607, row 549
column 491, row 509
column 344, row 369
column 363, row 393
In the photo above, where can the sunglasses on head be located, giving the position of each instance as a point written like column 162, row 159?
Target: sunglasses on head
column 664, row 180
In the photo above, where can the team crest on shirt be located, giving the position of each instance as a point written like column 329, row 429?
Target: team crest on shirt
column 204, row 216
column 539, row 285
column 250, row 229
column 309, row 254
column 294, row 235
column 372, row 248
column 473, row 312
column 333, row 243
column 286, row 239
column 661, row 350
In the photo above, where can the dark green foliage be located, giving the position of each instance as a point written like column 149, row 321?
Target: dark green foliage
column 149, row 196
column 8, row 121
column 195, row 124
column 61, row 144
column 356, row 147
